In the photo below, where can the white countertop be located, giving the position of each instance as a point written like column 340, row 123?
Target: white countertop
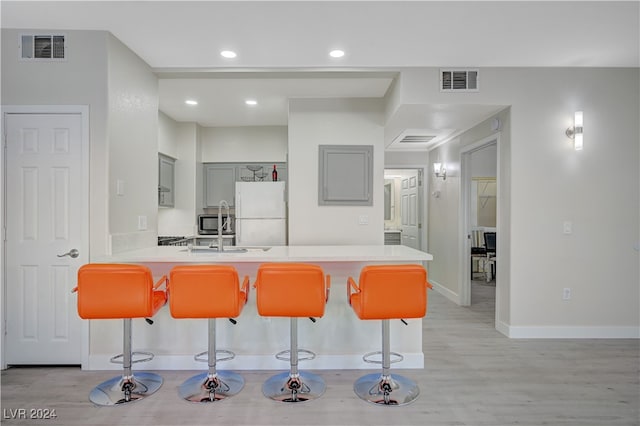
column 363, row 253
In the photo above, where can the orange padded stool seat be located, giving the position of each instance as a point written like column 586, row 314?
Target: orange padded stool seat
column 292, row 290
column 121, row 291
column 208, row 291
column 388, row 292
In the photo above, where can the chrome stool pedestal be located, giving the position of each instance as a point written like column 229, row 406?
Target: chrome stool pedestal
column 122, row 390
column 294, row 386
column 391, row 389
column 386, row 388
column 213, row 385
column 129, row 387
column 289, row 387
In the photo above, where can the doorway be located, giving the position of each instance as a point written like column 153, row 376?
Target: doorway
column 403, row 207
column 480, row 217
column 46, row 226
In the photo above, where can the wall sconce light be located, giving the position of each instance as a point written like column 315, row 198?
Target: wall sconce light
column 439, row 170
column 575, row 132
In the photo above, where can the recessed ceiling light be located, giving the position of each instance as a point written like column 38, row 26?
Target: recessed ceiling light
column 336, row 53
column 191, row 102
column 229, row 54
column 251, row 102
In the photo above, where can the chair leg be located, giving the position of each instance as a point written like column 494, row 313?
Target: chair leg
column 213, row 385
column 294, row 386
column 386, row 388
column 129, row 387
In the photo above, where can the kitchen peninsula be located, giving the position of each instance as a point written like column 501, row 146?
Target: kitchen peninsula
column 339, row 338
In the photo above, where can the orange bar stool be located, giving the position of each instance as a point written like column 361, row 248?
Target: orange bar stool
column 292, row 290
column 115, row 291
column 208, row 291
column 388, row 292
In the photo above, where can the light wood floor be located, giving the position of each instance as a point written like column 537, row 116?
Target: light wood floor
column 473, row 375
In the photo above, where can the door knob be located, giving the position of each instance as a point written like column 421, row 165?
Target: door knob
column 73, row 253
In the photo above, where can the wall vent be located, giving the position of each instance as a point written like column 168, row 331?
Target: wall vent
column 459, row 80
column 43, row 47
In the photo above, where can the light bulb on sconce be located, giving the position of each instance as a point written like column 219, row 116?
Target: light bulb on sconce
column 576, row 132
column 440, row 170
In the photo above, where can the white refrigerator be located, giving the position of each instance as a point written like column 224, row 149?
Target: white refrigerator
column 261, row 214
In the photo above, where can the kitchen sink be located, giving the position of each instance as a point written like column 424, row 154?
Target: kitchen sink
column 230, row 250
column 227, row 249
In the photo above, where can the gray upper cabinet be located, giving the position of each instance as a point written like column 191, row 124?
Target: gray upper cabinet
column 219, row 184
column 220, row 179
column 166, row 181
column 345, row 175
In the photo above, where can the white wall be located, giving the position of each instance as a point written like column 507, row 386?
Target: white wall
column 314, row 122
column 121, row 92
column 244, row 144
column 133, row 147
column 443, row 217
column 547, row 183
column 80, row 80
column 180, row 141
column 168, row 138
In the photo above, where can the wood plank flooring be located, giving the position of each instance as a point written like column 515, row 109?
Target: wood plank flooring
column 473, row 376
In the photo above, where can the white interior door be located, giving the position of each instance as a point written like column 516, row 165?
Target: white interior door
column 410, row 209
column 45, row 193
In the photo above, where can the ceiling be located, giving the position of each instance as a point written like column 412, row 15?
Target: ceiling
column 283, row 47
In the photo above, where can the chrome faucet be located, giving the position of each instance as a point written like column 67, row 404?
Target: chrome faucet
column 221, row 223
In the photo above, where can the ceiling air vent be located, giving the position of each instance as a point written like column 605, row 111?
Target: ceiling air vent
column 416, row 139
column 459, row 80
column 43, row 47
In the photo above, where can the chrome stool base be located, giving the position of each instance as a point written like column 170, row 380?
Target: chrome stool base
column 303, row 387
column 121, row 390
column 202, row 389
column 392, row 389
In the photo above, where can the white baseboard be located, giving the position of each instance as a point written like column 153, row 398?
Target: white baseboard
column 256, row 362
column 502, row 328
column 553, row 332
column 449, row 294
column 550, row 332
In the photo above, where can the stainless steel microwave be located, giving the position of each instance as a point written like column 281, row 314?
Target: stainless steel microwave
column 208, row 224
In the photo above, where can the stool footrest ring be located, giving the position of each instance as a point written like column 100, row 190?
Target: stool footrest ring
column 204, row 356
column 119, row 359
column 394, row 357
column 286, row 355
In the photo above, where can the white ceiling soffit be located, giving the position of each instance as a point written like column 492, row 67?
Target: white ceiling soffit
column 221, row 100
column 444, row 121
